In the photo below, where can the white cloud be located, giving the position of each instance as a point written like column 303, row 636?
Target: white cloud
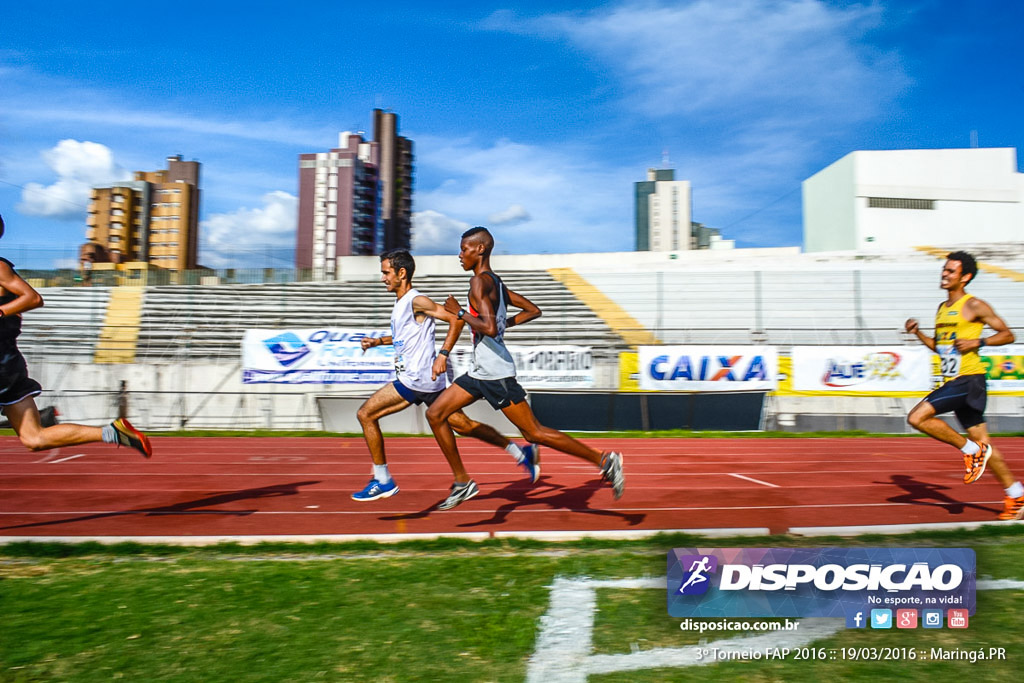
column 745, row 93
column 247, row 236
column 36, row 100
column 804, row 58
column 79, row 167
column 436, row 233
column 513, row 215
column 576, row 205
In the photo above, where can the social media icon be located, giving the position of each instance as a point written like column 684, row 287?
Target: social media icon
column 957, row 618
column 855, row 620
column 931, row 618
column 906, row 618
column 881, row 618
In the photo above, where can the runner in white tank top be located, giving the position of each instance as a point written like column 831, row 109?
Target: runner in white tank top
column 493, row 375
column 414, row 347
column 421, row 375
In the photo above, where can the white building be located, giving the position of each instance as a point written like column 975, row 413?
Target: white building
column 663, row 212
column 884, row 200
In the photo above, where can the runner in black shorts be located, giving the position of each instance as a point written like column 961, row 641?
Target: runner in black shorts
column 18, row 390
column 959, row 323
column 493, row 375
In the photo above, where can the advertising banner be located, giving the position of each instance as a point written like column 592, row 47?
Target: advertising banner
column 1005, row 366
column 860, row 584
column 541, row 367
column 868, row 369
column 708, row 368
column 315, row 356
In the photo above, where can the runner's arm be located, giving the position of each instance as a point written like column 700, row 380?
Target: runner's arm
column 528, row 310
column 912, row 327
column 371, row 342
column 27, row 298
column 984, row 313
column 427, row 306
column 484, row 322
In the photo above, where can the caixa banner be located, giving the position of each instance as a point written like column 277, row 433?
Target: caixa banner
column 817, row 582
column 708, row 368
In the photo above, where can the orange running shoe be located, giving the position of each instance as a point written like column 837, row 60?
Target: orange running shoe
column 976, row 463
column 1013, row 508
column 131, row 437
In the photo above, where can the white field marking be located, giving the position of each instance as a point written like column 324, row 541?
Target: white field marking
column 564, row 651
column 756, row 481
column 70, row 457
column 891, row 528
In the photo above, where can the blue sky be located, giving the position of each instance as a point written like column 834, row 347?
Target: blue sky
column 534, row 118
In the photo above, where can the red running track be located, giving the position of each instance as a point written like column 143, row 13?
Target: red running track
column 301, row 486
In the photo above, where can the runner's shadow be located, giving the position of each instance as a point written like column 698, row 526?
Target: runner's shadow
column 574, row 499
column 519, row 493
column 188, row 507
column 422, row 514
column 919, row 493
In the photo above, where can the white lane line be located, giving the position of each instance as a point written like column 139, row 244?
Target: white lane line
column 756, row 481
column 362, row 475
column 168, row 510
column 49, row 456
column 70, row 457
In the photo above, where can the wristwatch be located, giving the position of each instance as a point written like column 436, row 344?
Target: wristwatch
column 444, row 352
column 462, row 312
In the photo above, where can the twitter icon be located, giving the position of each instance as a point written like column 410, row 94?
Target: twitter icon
column 881, row 618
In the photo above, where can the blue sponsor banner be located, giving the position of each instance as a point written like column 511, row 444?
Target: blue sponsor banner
column 818, row 582
column 315, row 356
column 316, row 377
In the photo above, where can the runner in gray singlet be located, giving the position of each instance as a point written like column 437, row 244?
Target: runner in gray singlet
column 493, row 374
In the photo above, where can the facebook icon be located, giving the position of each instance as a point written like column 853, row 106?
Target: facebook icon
column 855, row 620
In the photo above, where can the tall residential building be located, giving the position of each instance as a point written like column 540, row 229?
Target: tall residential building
column 662, row 206
column 355, row 199
column 338, row 204
column 395, row 180
column 153, row 218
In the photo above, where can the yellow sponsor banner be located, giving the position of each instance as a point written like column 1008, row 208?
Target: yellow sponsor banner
column 629, row 371
column 1009, row 369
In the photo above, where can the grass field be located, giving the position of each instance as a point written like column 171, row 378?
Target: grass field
column 428, row 611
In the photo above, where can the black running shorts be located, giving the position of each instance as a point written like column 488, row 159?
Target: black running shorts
column 413, row 396
column 500, row 393
column 15, row 384
column 966, row 396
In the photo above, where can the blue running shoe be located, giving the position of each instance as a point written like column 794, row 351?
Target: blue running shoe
column 531, row 461
column 375, row 490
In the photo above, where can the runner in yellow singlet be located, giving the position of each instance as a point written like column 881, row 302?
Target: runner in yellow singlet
column 959, row 323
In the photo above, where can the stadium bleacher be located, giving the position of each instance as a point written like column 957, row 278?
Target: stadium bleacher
column 207, row 322
column 68, row 325
column 809, row 299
